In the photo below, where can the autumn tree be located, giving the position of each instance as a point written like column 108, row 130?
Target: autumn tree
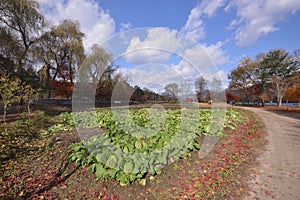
column 279, row 68
column 9, row 88
column 62, row 86
column 28, row 95
column 293, row 92
column 231, row 97
column 61, row 47
column 268, row 75
column 108, row 81
column 250, row 80
column 21, row 24
column 243, row 77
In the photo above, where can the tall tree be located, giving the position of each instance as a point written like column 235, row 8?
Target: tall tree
column 202, row 91
column 8, row 45
column 279, row 67
column 268, row 75
column 22, row 20
column 61, row 47
column 242, row 77
column 95, row 65
column 172, row 90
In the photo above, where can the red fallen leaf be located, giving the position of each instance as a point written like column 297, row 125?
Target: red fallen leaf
column 85, row 168
column 101, row 194
column 268, row 192
column 115, row 197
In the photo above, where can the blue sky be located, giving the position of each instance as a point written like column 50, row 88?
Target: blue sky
column 227, row 30
column 147, row 13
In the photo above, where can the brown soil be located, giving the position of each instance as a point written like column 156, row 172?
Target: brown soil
column 47, row 174
column 278, row 175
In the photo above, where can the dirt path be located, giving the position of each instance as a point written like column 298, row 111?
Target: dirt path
column 278, row 176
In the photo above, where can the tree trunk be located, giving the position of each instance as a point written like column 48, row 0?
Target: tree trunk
column 4, row 113
column 279, row 98
column 20, row 69
column 28, row 109
column 47, row 82
column 70, row 69
column 48, row 93
column 279, row 101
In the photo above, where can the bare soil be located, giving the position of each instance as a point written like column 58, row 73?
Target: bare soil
column 42, row 171
column 278, row 174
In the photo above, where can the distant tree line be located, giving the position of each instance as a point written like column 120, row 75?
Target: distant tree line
column 271, row 76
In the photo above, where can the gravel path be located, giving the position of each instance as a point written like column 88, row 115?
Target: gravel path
column 278, row 176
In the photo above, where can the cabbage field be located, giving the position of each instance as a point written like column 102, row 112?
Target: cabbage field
column 126, row 145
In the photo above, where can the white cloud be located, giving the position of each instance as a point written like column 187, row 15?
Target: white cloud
column 152, row 75
column 216, row 53
column 125, row 26
column 155, row 48
column 258, row 18
column 194, row 26
column 196, row 61
column 204, row 59
column 254, row 19
column 156, row 77
column 96, row 23
column 229, row 6
column 159, row 56
column 211, row 6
